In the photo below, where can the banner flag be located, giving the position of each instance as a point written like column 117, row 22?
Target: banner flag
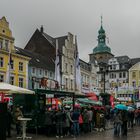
column 57, row 64
column 8, row 66
column 77, row 69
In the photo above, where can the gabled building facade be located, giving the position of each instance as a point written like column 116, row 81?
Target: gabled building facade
column 89, row 77
column 134, row 76
column 39, row 69
column 118, row 71
column 13, row 67
column 45, row 45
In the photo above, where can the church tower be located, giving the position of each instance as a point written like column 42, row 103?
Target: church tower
column 101, row 52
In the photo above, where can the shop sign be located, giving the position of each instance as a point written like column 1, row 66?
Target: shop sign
column 49, row 95
column 124, row 98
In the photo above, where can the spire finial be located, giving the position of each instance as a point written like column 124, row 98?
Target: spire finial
column 101, row 20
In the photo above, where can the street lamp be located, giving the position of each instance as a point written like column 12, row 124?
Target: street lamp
column 103, row 69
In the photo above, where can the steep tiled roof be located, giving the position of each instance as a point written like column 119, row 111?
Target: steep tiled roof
column 123, row 59
column 61, row 40
column 37, row 60
column 133, row 61
column 49, row 38
column 85, row 65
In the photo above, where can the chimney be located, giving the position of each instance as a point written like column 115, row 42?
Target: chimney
column 41, row 29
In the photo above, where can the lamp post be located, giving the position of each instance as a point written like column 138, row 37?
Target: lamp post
column 104, row 70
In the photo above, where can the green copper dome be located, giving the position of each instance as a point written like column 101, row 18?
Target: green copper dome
column 101, row 30
column 101, row 47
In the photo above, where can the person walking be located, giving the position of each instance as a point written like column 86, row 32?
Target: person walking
column 59, row 120
column 124, row 122
column 17, row 114
column 90, row 114
column 75, row 118
column 68, row 121
column 117, row 123
column 85, row 121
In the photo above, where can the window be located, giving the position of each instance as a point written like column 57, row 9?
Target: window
column 6, row 45
column 133, row 74
column 1, row 44
column 114, row 67
column 12, row 80
column 134, row 83
column 110, row 76
column 66, row 83
column 71, row 83
column 40, row 72
column 124, row 74
column 114, row 75
column 1, row 61
column 71, row 67
column 1, row 78
column 66, row 67
column 12, row 64
column 120, row 75
column 20, row 82
column 46, row 73
column 20, row 66
column 33, row 70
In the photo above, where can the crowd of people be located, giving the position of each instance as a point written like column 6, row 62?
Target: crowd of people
column 124, row 120
column 66, row 122
column 73, row 122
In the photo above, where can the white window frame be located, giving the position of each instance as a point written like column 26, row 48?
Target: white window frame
column 12, row 81
column 21, row 82
column 20, row 66
column 33, row 70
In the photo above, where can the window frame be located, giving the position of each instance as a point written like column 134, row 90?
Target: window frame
column 20, row 66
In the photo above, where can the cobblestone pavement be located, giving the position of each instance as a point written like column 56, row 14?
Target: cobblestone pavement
column 133, row 134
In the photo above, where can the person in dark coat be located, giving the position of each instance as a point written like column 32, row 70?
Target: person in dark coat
column 86, row 121
column 9, row 121
column 48, row 122
column 124, row 122
column 59, row 120
column 75, row 118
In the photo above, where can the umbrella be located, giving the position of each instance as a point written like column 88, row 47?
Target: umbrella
column 129, row 108
column 68, row 102
column 121, row 106
column 11, row 89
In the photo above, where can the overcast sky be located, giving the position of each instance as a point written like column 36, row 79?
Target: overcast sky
column 121, row 21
